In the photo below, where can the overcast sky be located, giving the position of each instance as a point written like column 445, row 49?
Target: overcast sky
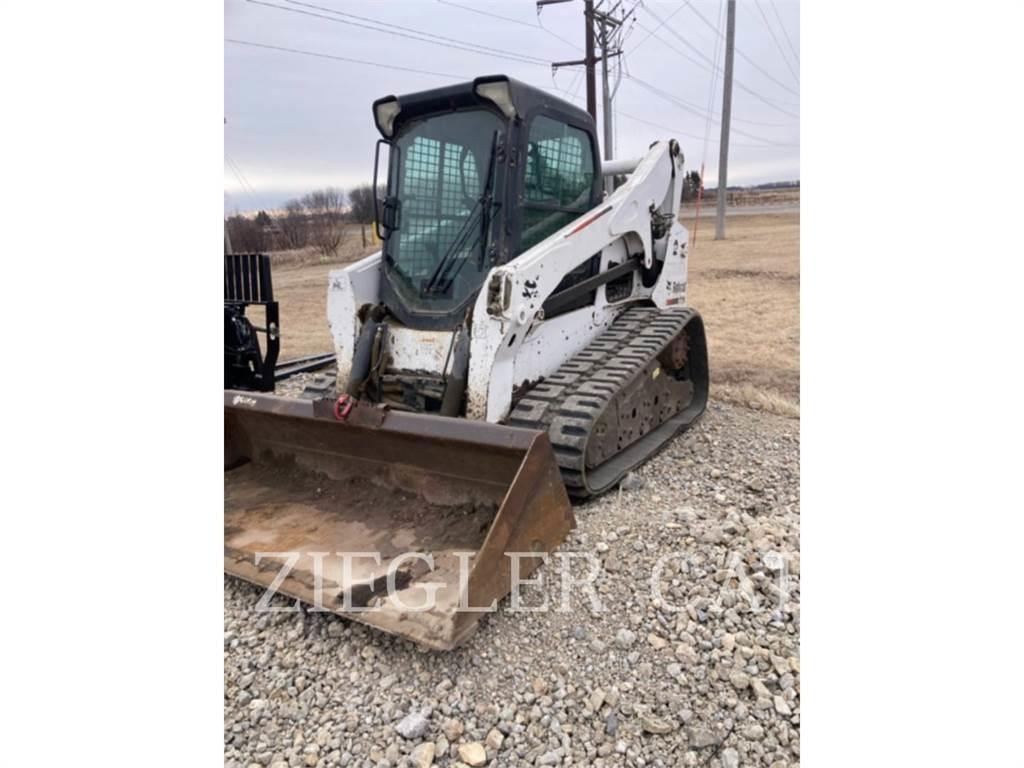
column 295, row 122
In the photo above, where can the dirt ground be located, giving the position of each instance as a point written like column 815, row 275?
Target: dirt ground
column 747, row 287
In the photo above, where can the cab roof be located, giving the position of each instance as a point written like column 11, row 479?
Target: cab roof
column 525, row 99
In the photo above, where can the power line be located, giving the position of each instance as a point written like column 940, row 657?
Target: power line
column 420, row 33
column 632, row 23
column 714, row 69
column 718, row 31
column 785, row 34
column 459, row 46
column 749, row 60
column 676, row 130
column 538, row 25
column 778, row 45
column 680, row 38
column 242, row 181
column 761, row 98
column 709, row 110
column 342, row 58
column 654, row 33
column 684, row 106
column 237, row 171
column 711, row 96
column 574, row 83
column 622, row 113
column 577, row 82
column 573, row 96
column 671, row 129
column 651, row 32
column 630, row 116
column 687, row 56
column 470, row 47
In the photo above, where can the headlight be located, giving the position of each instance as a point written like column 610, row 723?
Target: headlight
column 385, row 112
column 499, row 92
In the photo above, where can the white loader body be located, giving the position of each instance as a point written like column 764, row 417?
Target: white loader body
column 512, row 343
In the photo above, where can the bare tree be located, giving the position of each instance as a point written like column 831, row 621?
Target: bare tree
column 293, row 224
column 362, row 206
column 247, row 236
column 326, row 210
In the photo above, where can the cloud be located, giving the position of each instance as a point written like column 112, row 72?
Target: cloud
column 295, row 122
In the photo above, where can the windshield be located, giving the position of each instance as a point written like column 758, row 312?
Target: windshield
column 435, row 257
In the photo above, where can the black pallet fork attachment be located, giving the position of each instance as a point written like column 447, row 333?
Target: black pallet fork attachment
column 247, row 283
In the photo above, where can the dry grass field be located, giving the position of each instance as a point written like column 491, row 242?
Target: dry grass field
column 300, row 287
column 747, row 287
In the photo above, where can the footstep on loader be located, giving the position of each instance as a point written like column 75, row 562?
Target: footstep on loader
column 522, row 338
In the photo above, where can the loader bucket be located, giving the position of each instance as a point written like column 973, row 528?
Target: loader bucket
column 329, row 511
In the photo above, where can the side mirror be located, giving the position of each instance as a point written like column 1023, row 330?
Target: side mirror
column 385, row 212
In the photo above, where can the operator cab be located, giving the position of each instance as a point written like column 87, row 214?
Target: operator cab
column 477, row 173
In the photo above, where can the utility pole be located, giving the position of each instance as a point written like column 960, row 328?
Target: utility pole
column 609, row 26
column 723, row 146
column 605, row 27
column 606, row 99
column 588, row 58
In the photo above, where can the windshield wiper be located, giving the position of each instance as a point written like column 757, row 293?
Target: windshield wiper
column 482, row 210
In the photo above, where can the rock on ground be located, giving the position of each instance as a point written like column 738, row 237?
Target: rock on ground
column 716, row 514
column 414, row 725
column 423, row 755
column 473, row 754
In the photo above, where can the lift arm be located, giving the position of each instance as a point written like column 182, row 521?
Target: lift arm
column 514, row 293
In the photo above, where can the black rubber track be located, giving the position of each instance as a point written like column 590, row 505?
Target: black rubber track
column 569, row 403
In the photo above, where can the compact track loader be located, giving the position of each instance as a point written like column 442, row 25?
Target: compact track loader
column 520, row 339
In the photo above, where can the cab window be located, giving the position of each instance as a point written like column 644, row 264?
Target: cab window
column 559, row 178
column 435, row 257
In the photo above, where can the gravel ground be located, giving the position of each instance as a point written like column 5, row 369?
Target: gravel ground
column 708, row 675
